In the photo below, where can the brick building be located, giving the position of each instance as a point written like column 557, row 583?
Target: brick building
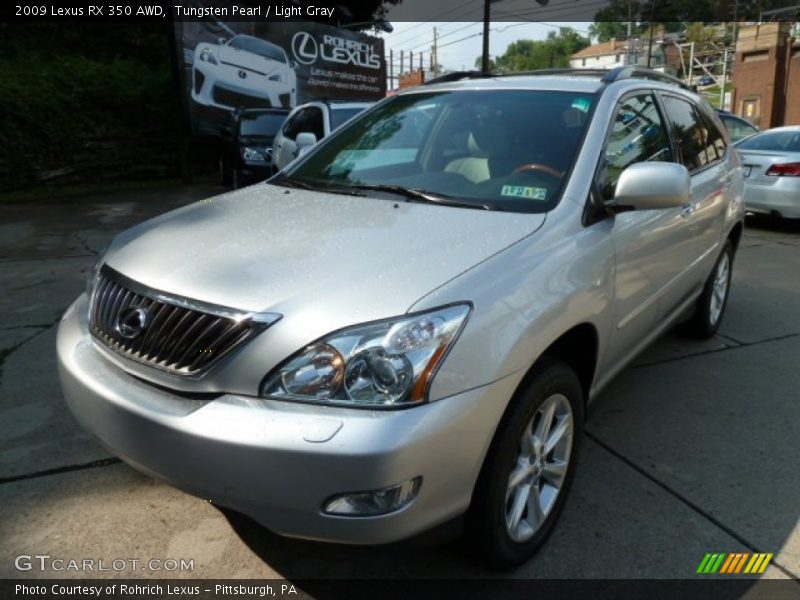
column 766, row 76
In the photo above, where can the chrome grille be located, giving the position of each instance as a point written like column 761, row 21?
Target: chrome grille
column 171, row 334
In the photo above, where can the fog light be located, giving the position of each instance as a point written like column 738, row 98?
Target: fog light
column 374, row 502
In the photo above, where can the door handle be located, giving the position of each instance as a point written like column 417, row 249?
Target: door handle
column 687, row 210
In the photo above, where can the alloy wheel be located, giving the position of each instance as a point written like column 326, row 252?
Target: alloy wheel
column 540, row 468
column 719, row 290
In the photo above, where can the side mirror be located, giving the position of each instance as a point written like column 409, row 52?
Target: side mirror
column 304, row 142
column 651, row 186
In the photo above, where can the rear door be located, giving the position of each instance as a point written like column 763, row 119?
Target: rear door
column 702, row 149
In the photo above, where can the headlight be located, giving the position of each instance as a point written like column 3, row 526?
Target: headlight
column 94, row 274
column 276, row 77
column 253, row 155
column 206, row 55
column 381, row 365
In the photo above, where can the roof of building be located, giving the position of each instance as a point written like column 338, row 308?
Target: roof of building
column 612, row 46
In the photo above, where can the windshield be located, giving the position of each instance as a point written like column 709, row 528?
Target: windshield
column 266, row 124
column 257, row 46
column 504, row 150
column 776, row 141
column 338, row 116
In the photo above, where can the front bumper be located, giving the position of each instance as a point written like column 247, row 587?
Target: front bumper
column 220, row 86
column 278, row 462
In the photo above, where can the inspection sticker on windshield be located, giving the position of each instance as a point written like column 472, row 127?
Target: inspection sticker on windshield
column 524, row 191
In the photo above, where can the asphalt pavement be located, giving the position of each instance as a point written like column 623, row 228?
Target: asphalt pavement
column 694, row 449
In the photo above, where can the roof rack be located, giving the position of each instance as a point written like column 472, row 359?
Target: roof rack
column 606, row 75
column 457, row 76
column 631, row 72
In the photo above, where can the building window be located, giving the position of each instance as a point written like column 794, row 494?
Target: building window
column 583, row 62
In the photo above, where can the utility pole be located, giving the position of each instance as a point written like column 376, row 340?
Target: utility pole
column 391, row 68
column 630, row 20
column 410, row 60
column 401, row 62
column 724, row 79
column 485, row 54
column 435, row 53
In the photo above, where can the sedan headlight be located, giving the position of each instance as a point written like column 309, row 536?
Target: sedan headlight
column 207, row 56
column 275, row 77
column 388, row 364
column 253, row 155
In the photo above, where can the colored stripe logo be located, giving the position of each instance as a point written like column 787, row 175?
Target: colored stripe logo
column 731, row 563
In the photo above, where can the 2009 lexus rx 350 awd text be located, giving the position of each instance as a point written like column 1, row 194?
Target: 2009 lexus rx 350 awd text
column 406, row 325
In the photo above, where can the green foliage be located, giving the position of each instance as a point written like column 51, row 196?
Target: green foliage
column 526, row 55
column 679, row 12
column 81, row 98
column 605, row 30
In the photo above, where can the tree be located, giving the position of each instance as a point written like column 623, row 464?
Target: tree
column 527, row 55
column 604, row 31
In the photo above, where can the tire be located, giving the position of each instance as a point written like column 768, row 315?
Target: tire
column 490, row 527
column 712, row 302
column 225, row 174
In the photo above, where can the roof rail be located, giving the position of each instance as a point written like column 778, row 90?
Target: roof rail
column 632, row 72
column 606, row 75
column 559, row 71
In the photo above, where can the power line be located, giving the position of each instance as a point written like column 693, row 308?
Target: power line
column 449, row 33
column 428, row 22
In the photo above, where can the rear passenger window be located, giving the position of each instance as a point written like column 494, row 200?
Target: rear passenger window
column 715, row 141
column 688, row 134
column 637, row 135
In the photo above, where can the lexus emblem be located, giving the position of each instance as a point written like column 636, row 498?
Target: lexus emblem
column 304, row 47
column 132, row 322
column 242, row 74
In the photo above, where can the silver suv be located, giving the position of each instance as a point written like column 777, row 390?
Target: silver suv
column 406, row 326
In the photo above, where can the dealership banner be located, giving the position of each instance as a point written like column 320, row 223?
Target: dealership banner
column 262, row 64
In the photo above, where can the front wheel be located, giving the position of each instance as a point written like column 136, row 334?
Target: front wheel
column 712, row 302
column 529, row 469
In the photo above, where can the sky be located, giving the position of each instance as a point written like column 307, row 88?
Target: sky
column 457, row 53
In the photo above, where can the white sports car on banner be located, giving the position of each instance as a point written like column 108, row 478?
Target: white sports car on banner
column 243, row 72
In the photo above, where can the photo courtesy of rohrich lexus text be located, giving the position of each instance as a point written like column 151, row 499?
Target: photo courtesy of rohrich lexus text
column 459, row 299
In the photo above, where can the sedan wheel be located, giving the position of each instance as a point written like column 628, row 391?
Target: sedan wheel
column 527, row 473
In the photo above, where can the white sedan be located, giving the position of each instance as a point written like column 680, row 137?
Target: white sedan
column 243, row 72
column 771, row 162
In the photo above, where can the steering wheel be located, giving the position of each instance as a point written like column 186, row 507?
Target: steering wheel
column 538, row 167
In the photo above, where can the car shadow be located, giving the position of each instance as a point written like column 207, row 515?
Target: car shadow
column 315, row 564
column 770, row 223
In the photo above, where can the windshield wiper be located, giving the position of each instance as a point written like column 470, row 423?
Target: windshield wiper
column 413, row 194
column 297, row 183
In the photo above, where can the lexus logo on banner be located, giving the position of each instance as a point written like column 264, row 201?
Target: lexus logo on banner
column 305, row 48
column 334, row 49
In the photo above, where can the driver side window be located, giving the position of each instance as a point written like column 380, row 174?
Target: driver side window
column 637, row 135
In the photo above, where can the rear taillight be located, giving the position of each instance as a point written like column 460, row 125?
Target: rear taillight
column 785, row 170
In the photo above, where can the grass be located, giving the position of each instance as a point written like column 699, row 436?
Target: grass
column 712, row 93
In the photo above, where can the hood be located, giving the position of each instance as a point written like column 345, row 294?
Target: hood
column 267, row 248
column 249, row 60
